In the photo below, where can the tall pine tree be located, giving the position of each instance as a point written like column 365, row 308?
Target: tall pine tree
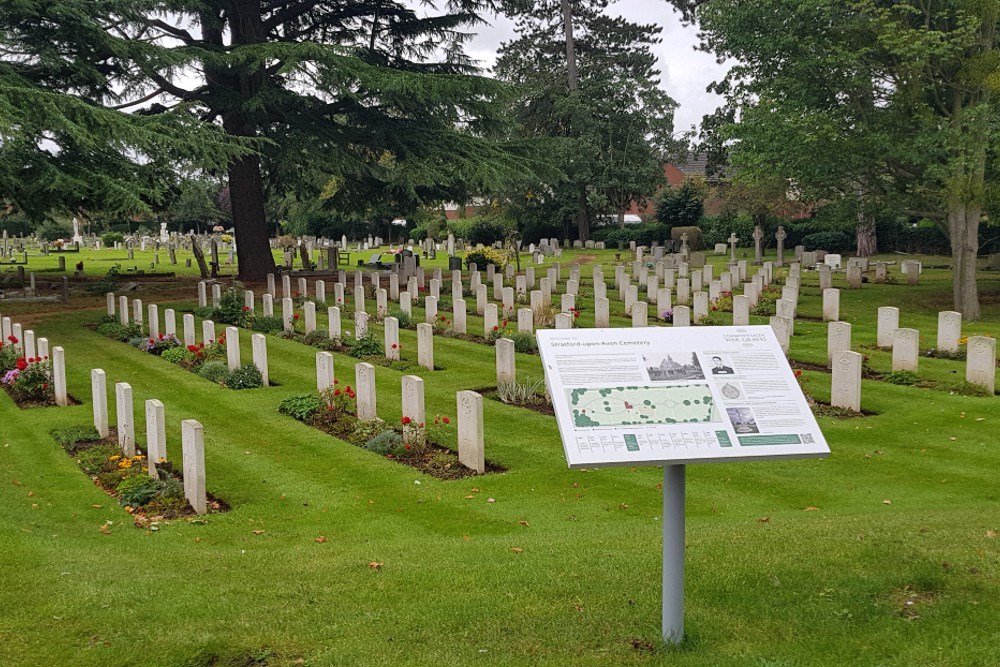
column 365, row 92
column 590, row 80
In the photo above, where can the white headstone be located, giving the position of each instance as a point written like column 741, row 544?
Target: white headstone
column 364, row 376
column 602, row 312
column 189, row 337
column 905, row 350
column 413, row 399
column 460, row 315
column 391, row 335
column 505, row 361
column 490, row 322
column 981, row 362
column 123, row 310
column 207, row 331
column 782, row 330
column 425, row 346
column 324, row 371
column 682, row 316
column 640, row 315
column 156, row 435
column 126, row 424
column 831, row 305
column 309, row 310
column 99, row 396
column 471, row 445
column 949, row 330
column 333, row 323
column 193, row 451
column 838, row 339
column 232, row 348
column 525, row 320
column 888, row 322
column 259, row 344
column 288, row 314
column 741, row 311
column 845, row 387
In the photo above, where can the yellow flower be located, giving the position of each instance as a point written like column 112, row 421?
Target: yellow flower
column 162, row 460
column 115, row 457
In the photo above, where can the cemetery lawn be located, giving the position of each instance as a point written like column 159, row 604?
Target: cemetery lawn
column 887, row 553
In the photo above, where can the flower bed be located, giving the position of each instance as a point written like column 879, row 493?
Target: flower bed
column 27, row 380
column 207, row 360
column 416, row 445
column 150, row 500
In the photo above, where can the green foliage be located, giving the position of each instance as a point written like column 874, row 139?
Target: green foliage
column 137, row 490
column 301, row 406
column 524, row 342
column 70, row 437
column 31, row 381
column 965, row 388
column 367, row 346
column 178, row 355
column 268, row 324
column 366, row 430
column 683, row 205
column 483, row 256
column 215, row 371
column 405, row 320
column 384, row 443
column 50, row 230
column 95, row 459
column 642, row 234
column 518, row 393
column 231, row 308
column 901, row 377
column 832, row 241
column 321, row 338
column 246, row 376
column 717, row 229
column 122, row 334
column 488, row 228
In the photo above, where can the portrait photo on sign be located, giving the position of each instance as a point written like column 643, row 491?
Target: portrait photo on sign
column 720, row 365
column 673, row 366
column 742, row 420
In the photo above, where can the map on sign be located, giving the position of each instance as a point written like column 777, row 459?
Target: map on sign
column 660, row 395
column 625, row 406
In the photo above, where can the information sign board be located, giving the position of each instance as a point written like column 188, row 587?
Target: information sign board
column 664, row 395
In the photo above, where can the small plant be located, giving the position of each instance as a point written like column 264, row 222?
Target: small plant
column 367, row 346
column 9, row 354
column 367, row 430
column 161, row 344
column 384, row 443
column 524, row 342
column 215, row 371
column 417, row 436
column 405, row 321
column 339, row 401
column 246, row 376
column 69, row 438
column 231, row 308
column 301, row 406
column 178, row 355
column 321, row 338
column 967, row 389
column 30, row 380
column 483, row 256
column 518, row 393
column 95, row 459
column 441, row 324
column 137, row 490
column 905, row 378
column 502, row 330
column 268, row 324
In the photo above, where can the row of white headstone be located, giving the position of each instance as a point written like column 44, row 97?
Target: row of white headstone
column 192, row 436
column 31, row 347
column 151, row 327
column 469, row 406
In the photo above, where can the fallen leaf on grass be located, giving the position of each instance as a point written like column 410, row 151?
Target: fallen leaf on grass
column 197, row 539
column 15, row 482
column 474, row 490
column 106, row 529
column 811, row 509
column 97, row 507
column 765, row 519
column 491, row 500
column 258, row 532
column 517, row 550
column 319, row 540
column 375, row 565
column 34, row 506
column 469, row 497
column 31, row 493
column 886, row 502
column 523, row 523
column 992, row 534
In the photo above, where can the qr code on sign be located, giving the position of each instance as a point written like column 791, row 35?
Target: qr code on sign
column 807, row 438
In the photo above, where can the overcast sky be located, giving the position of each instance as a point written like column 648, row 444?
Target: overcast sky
column 684, row 72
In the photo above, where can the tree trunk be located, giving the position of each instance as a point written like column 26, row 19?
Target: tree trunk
column 249, row 222
column 963, row 228
column 572, row 78
column 865, row 232
column 199, row 256
column 582, row 222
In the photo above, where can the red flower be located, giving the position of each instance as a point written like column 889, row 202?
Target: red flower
column 406, row 421
column 192, row 348
column 576, row 313
column 45, row 385
column 22, row 363
column 394, row 346
column 12, row 339
column 336, row 392
column 407, row 445
column 421, row 424
column 200, row 353
column 202, row 344
column 162, row 336
column 496, row 328
column 246, row 308
column 295, row 316
column 445, row 420
column 505, row 322
column 152, row 342
column 336, row 381
column 798, row 373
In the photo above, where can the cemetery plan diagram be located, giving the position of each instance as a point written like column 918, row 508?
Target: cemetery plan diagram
column 658, row 395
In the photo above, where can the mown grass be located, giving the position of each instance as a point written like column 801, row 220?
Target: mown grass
column 788, row 563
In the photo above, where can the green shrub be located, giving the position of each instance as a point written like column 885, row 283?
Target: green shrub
column 121, row 333
column 682, row 205
column 230, row 310
column 830, row 241
column 320, row 338
column 967, row 389
column 177, row 355
column 96, row 459
column 368, row 346
column 520, row 393
column 300, row 406
column 905, row 378
column 524, row 342
column 384, row 443
column 405, row 321
column 270, row 324
column 365, row 431
column 69, row 438
column 216, row 371
column 483, row 256
column 246, row 376
column 488, row 229
column 137, row 489
column 109, row 239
